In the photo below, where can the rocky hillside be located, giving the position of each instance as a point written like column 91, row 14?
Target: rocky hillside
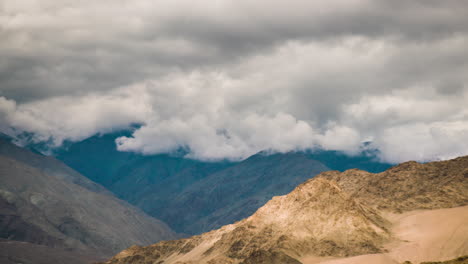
column 317, row 217
column 332, row 215
column 409, row 186
column 43, row 202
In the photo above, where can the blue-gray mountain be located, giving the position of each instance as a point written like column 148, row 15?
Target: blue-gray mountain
column 194, row 196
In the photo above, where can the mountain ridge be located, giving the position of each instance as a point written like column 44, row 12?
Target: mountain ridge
column 180, row 191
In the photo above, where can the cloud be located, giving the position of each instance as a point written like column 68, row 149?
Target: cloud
column 52, row 47
column 408, row 126
column 231, row 78
column 74, row 118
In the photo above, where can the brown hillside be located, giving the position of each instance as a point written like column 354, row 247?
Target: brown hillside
column 409, row 186
column 337, row 215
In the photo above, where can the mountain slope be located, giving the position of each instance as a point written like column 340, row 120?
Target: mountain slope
column 238, row 191
column 14, row 252
column 44, row 202
column 47, row 164
column 317, row 217
column 148, row 182
column 339, row 215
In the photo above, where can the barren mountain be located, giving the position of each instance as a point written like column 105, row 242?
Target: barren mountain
column 43, row 202
column 335, row 216
column 409, row 186
column 317, row 217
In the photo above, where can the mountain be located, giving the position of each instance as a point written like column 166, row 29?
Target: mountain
column 148, row 182
column 14, row 252
column 411, row 212
column 186, row 193
column 98, row 159
column 409, row 186
column 236, row 192
column 316, row 218
column 50, row 211
column 194, row 196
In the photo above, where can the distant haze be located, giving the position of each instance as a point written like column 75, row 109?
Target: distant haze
column 226, row 79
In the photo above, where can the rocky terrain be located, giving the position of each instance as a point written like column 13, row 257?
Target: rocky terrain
column 409, row 186
column 411, row 212
column 45, row 204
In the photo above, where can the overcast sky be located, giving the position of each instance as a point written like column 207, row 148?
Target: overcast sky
column 227, row 79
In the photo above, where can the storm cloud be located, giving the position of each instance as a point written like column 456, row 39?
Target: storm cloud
column 226, row 79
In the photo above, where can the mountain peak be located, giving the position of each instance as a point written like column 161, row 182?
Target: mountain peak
column 319, row 210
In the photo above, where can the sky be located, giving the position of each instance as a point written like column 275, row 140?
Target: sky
column 226, row 79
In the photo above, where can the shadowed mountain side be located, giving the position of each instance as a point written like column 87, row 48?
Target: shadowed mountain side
column 14, row 252
column 14, row 227
column 48, row 165
column 124, row 172
column 73, row 213
column 45, row 205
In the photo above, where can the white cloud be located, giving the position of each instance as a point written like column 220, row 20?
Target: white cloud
column 413, row 124
column 76, row 118
column 424, row 142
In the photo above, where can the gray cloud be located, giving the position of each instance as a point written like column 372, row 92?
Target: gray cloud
column 278, row 76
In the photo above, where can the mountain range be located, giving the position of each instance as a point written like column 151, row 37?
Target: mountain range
column 411, row 212
column 269, row 208
column 196, row 196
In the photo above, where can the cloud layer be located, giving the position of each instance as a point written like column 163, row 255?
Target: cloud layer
column 227, row 79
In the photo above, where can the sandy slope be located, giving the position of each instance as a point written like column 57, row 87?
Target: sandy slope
column 428, row 235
